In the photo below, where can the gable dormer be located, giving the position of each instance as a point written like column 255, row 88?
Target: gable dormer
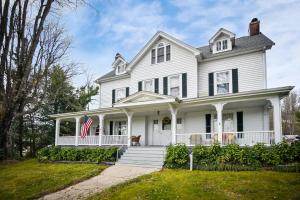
column 222, row 41
column 119, row 65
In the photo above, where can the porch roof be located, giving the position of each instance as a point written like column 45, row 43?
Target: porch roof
column 160, row 99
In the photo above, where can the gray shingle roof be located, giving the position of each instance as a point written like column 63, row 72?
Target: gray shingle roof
column 242, row 44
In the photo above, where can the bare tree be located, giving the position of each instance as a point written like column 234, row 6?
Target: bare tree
column 29, row 44
column 290, row 105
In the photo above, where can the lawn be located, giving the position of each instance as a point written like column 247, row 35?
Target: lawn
column 183, row 184
column 30, row 179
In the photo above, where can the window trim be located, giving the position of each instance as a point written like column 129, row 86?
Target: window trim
column 158, row 46
column 230, row 82
column 116, row 94
column 144, row 83
column 117, row 69
column 221, row 45
column 180, row 84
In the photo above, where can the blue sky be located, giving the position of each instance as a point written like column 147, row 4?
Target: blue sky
column 125, row 26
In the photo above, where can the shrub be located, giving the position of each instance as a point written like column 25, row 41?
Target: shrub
column 177, row 156
column 230, row 154
column 74, row 154
column 284, row 151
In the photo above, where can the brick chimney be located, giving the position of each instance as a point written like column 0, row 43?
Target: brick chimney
column 254, row 27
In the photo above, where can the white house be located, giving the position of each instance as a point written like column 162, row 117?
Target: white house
column 171, row 92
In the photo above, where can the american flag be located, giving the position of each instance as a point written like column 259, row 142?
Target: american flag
column 86, row 126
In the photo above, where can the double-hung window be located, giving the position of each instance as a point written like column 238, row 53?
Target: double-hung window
column 160, row 53
column 222, row 45
column 223, row 82
column 149, row 85
column 120, row 93
column 175, row 85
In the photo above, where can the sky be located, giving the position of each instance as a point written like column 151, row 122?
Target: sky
column 104, row 27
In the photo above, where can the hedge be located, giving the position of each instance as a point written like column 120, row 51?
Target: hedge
column 55, row 153
column 233, row 156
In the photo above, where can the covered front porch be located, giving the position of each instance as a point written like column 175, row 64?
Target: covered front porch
column 161, row 120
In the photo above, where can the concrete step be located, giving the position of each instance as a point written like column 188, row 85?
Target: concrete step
column 140, row 165
column 159, row 159
column 143, row 155
column 141, row 162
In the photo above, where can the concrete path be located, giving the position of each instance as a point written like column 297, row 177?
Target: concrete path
column 111, row 176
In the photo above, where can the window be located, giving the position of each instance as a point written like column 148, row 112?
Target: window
column 148, row 85
column 219, row 46
column 179, row 123
column 120, row 128
column 160, row 53
column 166, row 123
column 168, row 53
column 223, row 82
column 222, row 45
column 153, row 56
column 120, row 93
column 224, row 42
column 120, row 69
column 174, row 85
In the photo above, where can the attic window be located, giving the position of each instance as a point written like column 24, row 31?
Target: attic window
column 222, row 45
column 161, row 53
column 120, row 69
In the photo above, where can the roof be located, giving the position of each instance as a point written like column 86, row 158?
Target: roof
column 242, row 44
column 220, row 31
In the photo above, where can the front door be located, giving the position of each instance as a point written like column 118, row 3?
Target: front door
column 161, row 132
column 228, row 125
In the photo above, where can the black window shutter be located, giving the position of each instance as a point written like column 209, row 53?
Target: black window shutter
column 153, row 56
column 165, row 85
column 235, row 81
column 111, row 128
column 113, row 96
column 168, row 53
column 211, row 84
column 208, row 123
column 156, row 86
column 127, row 91
column 140, row 86
column 184, row 85
column 240, row 121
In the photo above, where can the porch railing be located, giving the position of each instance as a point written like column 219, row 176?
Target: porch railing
column 114, row 139
column 192, row 139
column 93, row 140
column 248, row 138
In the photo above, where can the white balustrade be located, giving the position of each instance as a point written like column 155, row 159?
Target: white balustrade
column 93, row 140
column 114, row 139
column 247, row 138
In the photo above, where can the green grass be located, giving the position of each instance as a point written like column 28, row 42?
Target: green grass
column 31, row 179
column 183, row 184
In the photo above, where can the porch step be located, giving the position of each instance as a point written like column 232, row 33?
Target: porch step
column 143, row 157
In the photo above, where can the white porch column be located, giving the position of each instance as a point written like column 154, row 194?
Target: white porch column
column 57, row 130
column 173, row 111
column 276, row 118
column 129, row 126
column 77, row 130
column 101, row 127
column 219, row 108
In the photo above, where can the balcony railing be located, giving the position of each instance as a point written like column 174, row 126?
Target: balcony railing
column 247, row 138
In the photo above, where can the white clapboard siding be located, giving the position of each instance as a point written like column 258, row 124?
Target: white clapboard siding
column 106, row 90
column 182, row 61
column 251, row 70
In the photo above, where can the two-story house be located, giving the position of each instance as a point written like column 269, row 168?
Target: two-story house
column 171, row 92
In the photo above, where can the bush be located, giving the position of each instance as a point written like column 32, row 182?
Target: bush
column 99, row 154
column 177, row 156
column 256, row 156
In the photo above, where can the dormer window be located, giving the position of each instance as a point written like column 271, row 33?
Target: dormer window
column 120, row 69
column 161, row 53
column 222, row 45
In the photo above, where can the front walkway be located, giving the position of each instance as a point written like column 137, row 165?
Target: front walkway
column 111, row 176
